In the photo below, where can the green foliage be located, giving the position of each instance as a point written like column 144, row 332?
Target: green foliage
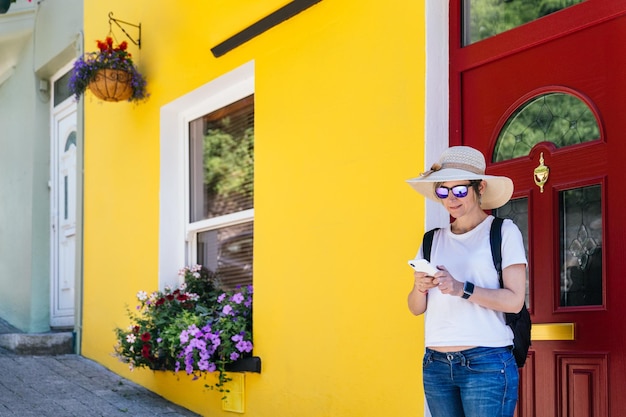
column 560, row 118
column 491, row 17
column 226, row 337
column 228, row 162
column 170, row 333
column 150, row 340
column 197, row 327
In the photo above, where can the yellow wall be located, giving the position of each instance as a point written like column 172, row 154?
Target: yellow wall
column 339, row 113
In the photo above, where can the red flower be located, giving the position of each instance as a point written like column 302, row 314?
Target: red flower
column 145, row 337
column 136, row 329
column 122, row 46
column 145, row 351
column 170, row 297
column 182, row 297
column 107, row 46
column 160, row 301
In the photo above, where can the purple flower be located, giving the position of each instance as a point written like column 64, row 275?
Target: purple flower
column 222, row 339
column 184, row 337
column 244, row 346
column 203, row 365
column 238, row 298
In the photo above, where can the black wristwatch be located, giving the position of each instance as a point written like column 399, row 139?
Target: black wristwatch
column 468, row 289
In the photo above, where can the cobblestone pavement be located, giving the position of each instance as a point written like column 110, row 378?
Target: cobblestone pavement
column 71, row 385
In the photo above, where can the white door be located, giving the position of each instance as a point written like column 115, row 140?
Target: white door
column 63, row 222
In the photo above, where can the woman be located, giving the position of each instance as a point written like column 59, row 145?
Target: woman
column 469, row 369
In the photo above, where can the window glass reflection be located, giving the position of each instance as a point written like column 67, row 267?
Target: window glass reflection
column 486, row 18
column 221, row 159
column 517, row 210
column 560, row 118
column 227, row 251
column 581, row 246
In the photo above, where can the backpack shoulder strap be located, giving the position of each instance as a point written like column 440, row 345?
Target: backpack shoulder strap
column 427, row 243
column 495, row 238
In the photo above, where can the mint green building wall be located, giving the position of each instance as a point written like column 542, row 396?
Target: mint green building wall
column 36, row 40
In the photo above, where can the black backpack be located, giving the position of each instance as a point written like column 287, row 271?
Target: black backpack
column 518, row 322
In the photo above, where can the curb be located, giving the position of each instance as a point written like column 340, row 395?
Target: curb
column 38, row 343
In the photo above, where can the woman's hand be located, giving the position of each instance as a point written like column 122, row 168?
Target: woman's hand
column 423, row 282
column 508, row 299
column 446, row 282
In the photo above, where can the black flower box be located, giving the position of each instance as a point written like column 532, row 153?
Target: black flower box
column 250, row 364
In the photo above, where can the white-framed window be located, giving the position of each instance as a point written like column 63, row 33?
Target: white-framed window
column 206, row 183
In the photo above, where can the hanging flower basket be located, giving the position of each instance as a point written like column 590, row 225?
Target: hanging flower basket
column 110, row 74
column 111, row 85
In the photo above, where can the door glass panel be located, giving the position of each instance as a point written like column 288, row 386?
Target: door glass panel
column 485, row 18
column 62, row 89
column 560, row 118
column 70, row 141
column 581, row 246
column 65, row 197
column 517, row 210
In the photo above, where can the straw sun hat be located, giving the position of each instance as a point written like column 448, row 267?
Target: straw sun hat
column 459, row 163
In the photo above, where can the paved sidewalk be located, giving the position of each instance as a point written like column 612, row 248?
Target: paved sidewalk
column 71, row 385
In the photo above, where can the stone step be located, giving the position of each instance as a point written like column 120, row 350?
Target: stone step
column 53, row 343
column 56, row 342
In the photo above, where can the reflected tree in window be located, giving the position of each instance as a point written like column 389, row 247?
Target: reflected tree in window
column 581, row 246
column 560, row 118
column 486, row 18
column 222, row 161
column 228, row 167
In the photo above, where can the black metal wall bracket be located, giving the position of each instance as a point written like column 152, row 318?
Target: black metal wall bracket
column 287, row 11
column 117, row 22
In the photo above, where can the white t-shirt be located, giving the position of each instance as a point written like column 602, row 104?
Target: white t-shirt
column 452, row 320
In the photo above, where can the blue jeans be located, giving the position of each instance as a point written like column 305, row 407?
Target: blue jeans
column 478, row 382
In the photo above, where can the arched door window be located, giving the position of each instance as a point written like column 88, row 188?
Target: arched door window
column 557, row 117
column 556, row 120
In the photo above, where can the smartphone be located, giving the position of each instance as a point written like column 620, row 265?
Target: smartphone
column 422, row 265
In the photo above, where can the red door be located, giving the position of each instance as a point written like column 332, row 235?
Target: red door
column 545, row 101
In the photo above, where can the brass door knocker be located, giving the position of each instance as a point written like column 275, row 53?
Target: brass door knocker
column 541, row 173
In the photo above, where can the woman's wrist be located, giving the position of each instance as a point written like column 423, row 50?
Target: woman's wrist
column 421, row 291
